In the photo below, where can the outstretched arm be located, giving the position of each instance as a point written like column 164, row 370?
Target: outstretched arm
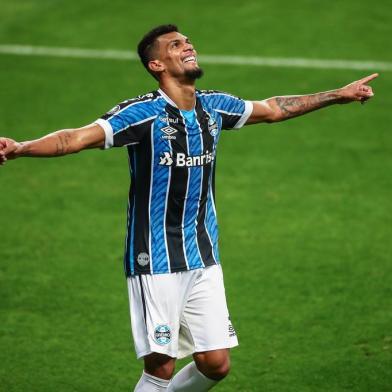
column 67, row 141
column 282, row 108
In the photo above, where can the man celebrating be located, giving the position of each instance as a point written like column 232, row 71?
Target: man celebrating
column 177, row 297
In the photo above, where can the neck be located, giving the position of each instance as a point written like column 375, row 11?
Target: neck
column 182, row 94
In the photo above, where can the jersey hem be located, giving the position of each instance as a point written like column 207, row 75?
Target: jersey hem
column 216, row 347
column 170, row 272
column 148, row 352
column 185, row 354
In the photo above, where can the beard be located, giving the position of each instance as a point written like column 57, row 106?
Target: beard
column 194, row 74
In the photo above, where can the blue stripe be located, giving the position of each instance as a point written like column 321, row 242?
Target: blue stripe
column 159, row 253
column 193, row 196
column 131, row 115
column 223, row 101
column 210, row 219
column 212, row 225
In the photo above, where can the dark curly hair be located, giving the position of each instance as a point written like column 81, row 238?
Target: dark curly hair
column 147, row 43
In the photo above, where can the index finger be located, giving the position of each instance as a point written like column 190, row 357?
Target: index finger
column 368, row 78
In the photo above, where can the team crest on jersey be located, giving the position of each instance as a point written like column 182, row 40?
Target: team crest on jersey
column 162, row 334
column 143, row 259
column 212, row 126
column 168, row 133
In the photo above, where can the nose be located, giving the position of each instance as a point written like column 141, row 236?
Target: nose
column 189, row 47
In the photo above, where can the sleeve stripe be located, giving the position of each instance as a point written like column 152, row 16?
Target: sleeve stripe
column 229, row 113
column 135, row 123
column 217, row 93
column 247, row 112
column 105, row 125
column 127, row 106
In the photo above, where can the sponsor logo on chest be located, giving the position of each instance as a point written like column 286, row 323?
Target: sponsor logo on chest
column 182, row 160
column 168, row 120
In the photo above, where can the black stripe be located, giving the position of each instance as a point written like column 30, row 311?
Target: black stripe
column 205, row 246
column 130, row 135
column 142, row 199
column 131, row 202
column 229, row 120
column 176, row 197
column 213, row 180
column 143, row 300
column 211, row 92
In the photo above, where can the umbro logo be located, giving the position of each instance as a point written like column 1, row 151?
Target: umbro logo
column 168, row 133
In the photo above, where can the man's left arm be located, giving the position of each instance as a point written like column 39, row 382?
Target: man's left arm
column 282, row 108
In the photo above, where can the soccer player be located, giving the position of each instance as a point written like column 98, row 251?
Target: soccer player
column 177, row 297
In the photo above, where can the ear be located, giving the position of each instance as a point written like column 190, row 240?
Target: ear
column 156, row 66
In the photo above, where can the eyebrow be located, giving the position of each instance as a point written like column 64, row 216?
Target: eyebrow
column 178, row 40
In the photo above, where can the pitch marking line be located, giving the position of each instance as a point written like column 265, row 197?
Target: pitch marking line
column 25, row 50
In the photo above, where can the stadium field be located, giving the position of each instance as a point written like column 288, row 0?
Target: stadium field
column 304, row 206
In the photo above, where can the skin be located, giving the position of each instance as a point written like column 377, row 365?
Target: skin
column 168, row 65
column 170, row 51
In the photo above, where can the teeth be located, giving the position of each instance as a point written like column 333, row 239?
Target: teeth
column 190, row 58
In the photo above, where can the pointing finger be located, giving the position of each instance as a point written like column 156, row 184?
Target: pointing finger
column 368, row 78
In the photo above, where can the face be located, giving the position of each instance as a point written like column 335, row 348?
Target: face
column 176, row 57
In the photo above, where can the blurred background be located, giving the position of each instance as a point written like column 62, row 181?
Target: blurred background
column 304, row 206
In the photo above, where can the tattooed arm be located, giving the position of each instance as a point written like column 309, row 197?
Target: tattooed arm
column 67, row 141
column 282, row 108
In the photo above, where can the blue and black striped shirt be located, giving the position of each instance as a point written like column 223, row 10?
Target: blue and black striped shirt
column 172, row 224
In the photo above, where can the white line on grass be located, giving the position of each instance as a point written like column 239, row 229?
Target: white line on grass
column 25, row 50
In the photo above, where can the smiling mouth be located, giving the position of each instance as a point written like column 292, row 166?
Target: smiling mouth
column 189, row 59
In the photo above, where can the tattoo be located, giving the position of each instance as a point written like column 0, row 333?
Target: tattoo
column 24, row 149
column 63, row 143
column 292, row 106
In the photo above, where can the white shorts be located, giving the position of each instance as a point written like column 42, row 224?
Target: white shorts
column 180, row 313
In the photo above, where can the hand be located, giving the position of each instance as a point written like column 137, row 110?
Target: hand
column 358, row 90
column 8, row 147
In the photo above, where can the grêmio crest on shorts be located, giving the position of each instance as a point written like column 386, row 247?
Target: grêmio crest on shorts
column 172, row 224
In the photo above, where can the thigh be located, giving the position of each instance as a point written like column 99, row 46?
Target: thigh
column 206, row 317
column 156, row 302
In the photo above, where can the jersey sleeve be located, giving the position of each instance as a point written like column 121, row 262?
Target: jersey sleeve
column 125, row 124
column 233, row 110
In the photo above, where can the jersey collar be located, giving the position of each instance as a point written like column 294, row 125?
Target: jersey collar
column 171, row 102
column 167, row 98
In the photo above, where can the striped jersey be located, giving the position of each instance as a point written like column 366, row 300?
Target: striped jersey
column 171, row 222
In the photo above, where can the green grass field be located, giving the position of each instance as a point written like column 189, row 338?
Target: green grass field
column 304, row 206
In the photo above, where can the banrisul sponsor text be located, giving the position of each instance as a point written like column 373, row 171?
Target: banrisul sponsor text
column 182, row 160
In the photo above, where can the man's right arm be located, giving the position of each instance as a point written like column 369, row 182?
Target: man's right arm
column 66, row 141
